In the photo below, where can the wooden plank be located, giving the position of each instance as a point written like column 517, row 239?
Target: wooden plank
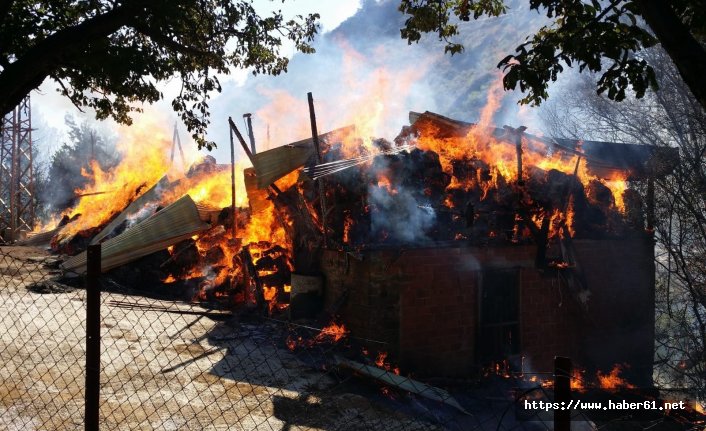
column 404, row 383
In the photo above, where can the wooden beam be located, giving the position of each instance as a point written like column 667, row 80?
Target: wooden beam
column 403, row 383
column 320, row 182
column 235, row 130
column 232, row 181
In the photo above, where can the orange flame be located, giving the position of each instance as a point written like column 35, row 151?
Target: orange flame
column 381, row 361
column 499, row 158
column 334, row 333
column 576, row 382
column 347, row 225
column 612, row 380
column 384, row 182
column 366, row 98
column 144, row 147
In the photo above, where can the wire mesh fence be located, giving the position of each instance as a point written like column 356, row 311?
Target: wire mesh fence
column 176, row 365
column 170, row 365
column 42, row 345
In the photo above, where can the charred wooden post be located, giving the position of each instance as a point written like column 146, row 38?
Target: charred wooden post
column 238, row 135
column 518, row 150
column 517, row 135
column 319, row 158
column 575, row 277
column 252, row 273
column 232, row 183
column 568, row 191
column 314, row 129
column 542, row 237
column 176, row 142
column 562, row 393
column 576, row 168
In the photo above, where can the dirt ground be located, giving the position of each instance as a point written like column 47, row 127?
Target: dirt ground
column 163, row 367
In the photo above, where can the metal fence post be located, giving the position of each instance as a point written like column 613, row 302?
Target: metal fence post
column 93, row 301
column 562, row 393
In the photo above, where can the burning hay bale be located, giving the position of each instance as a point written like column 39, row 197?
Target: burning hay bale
column 481, row 184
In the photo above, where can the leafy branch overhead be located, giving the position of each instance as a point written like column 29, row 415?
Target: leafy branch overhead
column 599, row 36
column 110, row 55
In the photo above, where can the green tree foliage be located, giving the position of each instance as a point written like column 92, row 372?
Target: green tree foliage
column 109, row 55
column 598, row 36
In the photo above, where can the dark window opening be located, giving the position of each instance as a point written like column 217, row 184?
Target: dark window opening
column 499, row 323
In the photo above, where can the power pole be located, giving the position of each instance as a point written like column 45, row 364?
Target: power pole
column 17, row 193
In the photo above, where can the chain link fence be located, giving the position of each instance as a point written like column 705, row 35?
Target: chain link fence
column 42, row 344
column 171, row 365
column 174, row 365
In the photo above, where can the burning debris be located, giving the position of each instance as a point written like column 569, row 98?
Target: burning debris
column 456, row 249
column 439, row 183
column 174, row 223
column 181, row 221
column 483, row 185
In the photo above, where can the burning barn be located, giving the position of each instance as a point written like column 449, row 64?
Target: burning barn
column 456, row 262
column 455, row 247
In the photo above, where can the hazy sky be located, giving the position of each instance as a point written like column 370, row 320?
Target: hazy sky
column 50, row 108
column 363, row 73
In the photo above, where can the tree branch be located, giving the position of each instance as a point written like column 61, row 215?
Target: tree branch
column 68, row 94
column 170, row 43
column 28, row 72
column 686, row 52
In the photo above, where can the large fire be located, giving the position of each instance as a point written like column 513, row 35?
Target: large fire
column 481, row 144
column 243, row 240
column 143, row 148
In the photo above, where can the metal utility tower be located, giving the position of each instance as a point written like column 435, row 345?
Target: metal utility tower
column 16, row 172
column 176, row 142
